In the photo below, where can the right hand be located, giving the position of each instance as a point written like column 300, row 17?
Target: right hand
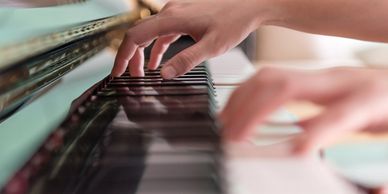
column 382, row 190
column 216, row 26
column 353, row 99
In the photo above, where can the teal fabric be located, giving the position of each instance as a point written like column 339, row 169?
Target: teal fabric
column 23, row 133
column 364, row 162
column 20, row 24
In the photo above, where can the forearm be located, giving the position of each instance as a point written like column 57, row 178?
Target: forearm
column 361, row 19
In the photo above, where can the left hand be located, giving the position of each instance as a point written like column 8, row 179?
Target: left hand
column 354, row 100
column 216, row 26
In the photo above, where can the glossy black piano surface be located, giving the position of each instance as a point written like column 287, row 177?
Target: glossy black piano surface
column 132, row 135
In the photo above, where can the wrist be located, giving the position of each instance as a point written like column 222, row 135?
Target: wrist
column 265, row 12
column 268, row 12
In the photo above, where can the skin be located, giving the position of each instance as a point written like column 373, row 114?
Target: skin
column 218, row 26
column 383, row 190
column 353, row 99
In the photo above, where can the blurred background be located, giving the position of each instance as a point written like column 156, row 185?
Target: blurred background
column 272, row 45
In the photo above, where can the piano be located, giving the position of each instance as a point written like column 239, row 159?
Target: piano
column 67, row 127
column 102, row 141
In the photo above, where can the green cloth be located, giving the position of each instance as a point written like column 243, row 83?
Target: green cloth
column 23, row 133
column 20, row 24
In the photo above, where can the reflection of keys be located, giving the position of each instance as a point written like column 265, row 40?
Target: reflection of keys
column 36, row 3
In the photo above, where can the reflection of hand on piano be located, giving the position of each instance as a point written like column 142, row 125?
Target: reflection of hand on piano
column 219, row 27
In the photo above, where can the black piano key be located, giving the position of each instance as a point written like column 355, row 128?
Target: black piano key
column 154, row 91
column 163, row 83
column 170, row 133
column 158, row 83
column 164, row 145
column 159, row 186
column 174, row 95
column 127, row 77
column 120, row 79
column 151, row 73
column 196, row 67
column 180, row 165
column 142, row 101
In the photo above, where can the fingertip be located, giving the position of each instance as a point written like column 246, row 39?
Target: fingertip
column 138, row 73
column 229, row 137
column 119, row 67
column 168, row 72
column 232, row 136
column 152, row 64
column 116, row 72
column 150, row 67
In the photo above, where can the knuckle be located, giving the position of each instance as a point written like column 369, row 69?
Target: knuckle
column 170, row 3
column 168, row 12
column 218, row 46
column 273, row 77
column 170, row 8
column 267, row 74
column 185, row 61
column 286, row 86
column 268, row 71
column 220, row 49
column 130, row 36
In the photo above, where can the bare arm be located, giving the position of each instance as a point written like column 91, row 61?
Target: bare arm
column 361, row 19
column 355, row 99
column 220, row 25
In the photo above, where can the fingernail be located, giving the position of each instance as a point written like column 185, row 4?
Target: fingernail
column 139, row 73
column 169, row 72
column 114, row 74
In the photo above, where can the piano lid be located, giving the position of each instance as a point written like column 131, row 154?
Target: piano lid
column 37, row 3
column 19, row 28
column 36, row 48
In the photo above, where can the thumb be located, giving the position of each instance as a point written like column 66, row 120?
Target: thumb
column 186, row 60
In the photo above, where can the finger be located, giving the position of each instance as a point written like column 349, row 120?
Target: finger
column 136, row 37
column 234, row 101
column 263, row 94
column 341, row 118
column 382, row 190
column 146, row 44
column 187, row 59
column 144, row 19
column 242, row 121
column 253, row 102
column 136, row 64
column 160, row 47
column 126, row 51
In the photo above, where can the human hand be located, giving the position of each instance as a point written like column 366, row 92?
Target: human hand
column 216, row 26
column 382, row 190
column 353, row 99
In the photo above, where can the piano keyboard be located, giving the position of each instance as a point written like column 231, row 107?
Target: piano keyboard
column 132, row 135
